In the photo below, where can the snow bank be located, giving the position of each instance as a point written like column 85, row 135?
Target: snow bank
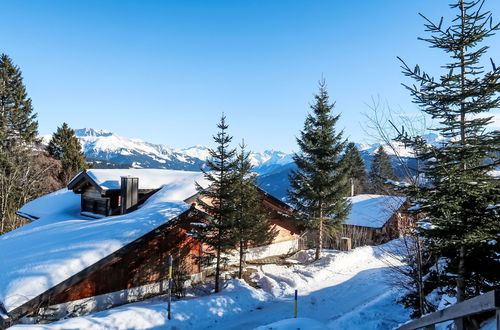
column 373, row 210
column 333, row 265
column 42, row 254
column 236, row 298
column 301, row 323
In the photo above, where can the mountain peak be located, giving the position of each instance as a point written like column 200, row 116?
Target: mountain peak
column 81, row 132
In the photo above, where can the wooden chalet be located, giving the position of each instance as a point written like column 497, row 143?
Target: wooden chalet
column 117, row 229
column 374, row 220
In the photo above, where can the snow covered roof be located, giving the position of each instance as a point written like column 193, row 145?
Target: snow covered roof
column 61, row 243
column 63, row 200
column 373, row 210
column 495, row 173
column 148, row 178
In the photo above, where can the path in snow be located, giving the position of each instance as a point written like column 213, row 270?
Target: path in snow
column 343, row 290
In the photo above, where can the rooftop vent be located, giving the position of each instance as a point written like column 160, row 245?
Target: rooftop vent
column 129, row 193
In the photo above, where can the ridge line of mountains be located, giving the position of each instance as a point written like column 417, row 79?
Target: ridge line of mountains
column 108, row 150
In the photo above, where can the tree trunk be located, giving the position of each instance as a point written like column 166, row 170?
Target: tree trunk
column 240, row 274
column 217, row 264
column 319, row 247
column 461, row 256
column 461, row 275
column 420, row 282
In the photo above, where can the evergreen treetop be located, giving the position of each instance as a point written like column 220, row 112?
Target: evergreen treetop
column 65, row 146
column 17, row 121
column 380, row 171
column 357, row 170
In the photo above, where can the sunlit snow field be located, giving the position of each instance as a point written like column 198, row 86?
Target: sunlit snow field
column 343, row 290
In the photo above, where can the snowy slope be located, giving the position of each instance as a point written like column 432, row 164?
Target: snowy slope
column 109, row 147
column 61, row 243
column 398, row 148
column 343, row 290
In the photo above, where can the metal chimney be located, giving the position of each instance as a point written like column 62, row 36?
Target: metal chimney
column 129, row 193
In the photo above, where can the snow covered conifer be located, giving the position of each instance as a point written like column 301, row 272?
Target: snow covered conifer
column 218, row 198
column 319, row 186
column 64, row 146
column 461, row 199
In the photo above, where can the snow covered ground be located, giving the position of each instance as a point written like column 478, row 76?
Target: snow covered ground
column 343, row 290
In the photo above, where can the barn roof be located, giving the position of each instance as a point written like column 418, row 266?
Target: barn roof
column 373, row 210
column 61, row 243
column 109, row 179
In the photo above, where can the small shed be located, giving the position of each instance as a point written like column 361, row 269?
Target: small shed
column 375, row 219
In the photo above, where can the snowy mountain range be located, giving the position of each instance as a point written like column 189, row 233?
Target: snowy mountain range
column 109, row 150
column 110, row 147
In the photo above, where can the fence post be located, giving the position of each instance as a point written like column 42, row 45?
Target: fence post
column 346, row 244
column 498, row 318
column 169, row 286
column 459, row 323
column 295, row 306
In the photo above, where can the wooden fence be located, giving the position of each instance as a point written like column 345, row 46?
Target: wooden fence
column 484, row 303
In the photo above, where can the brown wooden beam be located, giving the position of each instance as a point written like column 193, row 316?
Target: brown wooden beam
column 483, row 303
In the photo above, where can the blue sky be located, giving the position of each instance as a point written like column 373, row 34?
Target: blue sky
column 164, row 71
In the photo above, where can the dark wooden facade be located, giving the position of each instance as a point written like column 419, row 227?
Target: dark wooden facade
column 141, row 262
column 94, row 202
column 99, row 202
column 145, row 263
column 280, row 213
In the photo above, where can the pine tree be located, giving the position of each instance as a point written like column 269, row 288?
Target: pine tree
column 459, row 197
column 252, row 224
column 319, row 186
column 64, row 146
column 218, row 198
column 357, row 171
column 18, row 131
column 18, row 123
column 380, row 171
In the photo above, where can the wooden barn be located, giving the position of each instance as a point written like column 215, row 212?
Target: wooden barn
column 106, row 239
column 374, row 219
